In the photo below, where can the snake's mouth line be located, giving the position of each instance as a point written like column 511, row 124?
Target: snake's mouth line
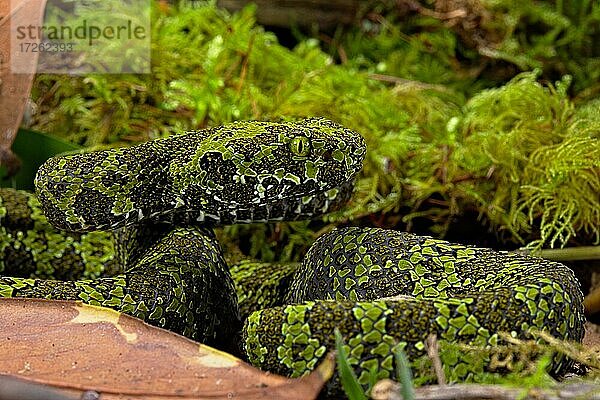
column 330, row 199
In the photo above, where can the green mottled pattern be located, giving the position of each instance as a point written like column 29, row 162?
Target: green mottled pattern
column 370, row 263
column 180, row 283
column 460, row 293
column 31, row 248
column 261, row 285
column 242, row 172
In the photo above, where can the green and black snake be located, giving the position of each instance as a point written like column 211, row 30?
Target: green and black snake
column 136, row 230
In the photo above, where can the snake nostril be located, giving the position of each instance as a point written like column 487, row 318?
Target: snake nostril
column 327, row 155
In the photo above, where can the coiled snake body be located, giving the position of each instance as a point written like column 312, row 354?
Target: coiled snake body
column 160, row 199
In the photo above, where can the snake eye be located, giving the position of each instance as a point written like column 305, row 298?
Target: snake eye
column 300, row 146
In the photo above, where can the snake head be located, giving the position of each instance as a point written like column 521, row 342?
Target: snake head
column 242, row 172
column 265, row 171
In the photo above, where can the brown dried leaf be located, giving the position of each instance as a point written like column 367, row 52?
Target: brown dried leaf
column 78, row 347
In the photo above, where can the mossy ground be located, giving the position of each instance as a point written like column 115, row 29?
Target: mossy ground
column 490, row 120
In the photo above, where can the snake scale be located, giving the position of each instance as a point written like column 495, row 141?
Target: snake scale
column 131, row 229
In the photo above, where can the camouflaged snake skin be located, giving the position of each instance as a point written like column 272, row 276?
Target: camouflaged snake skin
column 31, row 247
column 261, row 285
column 459, row 293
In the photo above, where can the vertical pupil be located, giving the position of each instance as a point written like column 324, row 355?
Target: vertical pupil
column 299, row 146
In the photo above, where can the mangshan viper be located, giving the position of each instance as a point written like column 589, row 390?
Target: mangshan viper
column 131, row 229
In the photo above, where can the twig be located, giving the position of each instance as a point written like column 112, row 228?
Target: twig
column 433, row 351
column 566, row 254
column 407, row 82
column 388, row 390
column 245, row 60
column 458, row 13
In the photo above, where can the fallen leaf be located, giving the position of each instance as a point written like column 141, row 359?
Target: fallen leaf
column 77, row 347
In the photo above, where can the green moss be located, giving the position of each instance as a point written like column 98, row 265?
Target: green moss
column 542, row 158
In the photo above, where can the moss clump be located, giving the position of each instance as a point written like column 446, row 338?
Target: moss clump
column 467, row 45
column 543, row 157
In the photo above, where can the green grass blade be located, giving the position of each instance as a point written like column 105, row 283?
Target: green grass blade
column 353, row 389
column 404, row 375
